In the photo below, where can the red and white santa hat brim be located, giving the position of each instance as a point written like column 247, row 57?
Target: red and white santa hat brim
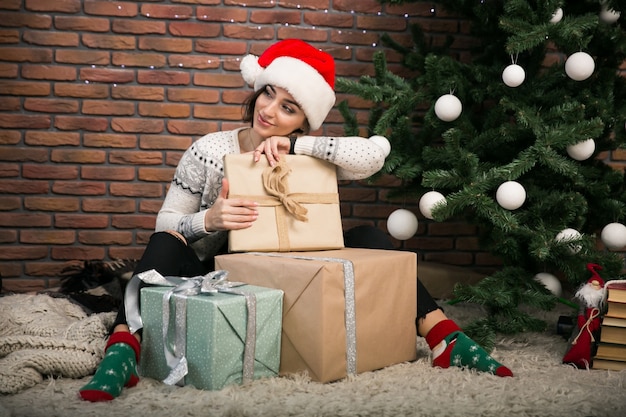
column 307, row 73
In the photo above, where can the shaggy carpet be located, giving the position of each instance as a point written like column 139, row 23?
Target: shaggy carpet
column 542, row 386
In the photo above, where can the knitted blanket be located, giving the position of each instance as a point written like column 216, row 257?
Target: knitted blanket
column 43, row 336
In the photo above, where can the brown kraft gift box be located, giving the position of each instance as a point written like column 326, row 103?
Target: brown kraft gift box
column 303, row 184
column 316, row 323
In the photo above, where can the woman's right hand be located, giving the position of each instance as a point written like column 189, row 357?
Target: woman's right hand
column 230, row 214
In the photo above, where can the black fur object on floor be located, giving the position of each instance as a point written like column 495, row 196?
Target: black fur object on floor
column 97, row 286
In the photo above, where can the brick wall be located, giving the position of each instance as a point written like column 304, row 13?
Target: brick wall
column 98, row 100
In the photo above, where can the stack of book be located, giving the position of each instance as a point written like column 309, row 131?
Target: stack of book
column 611, row 353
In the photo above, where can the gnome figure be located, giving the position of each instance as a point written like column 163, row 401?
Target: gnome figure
column 583, row 342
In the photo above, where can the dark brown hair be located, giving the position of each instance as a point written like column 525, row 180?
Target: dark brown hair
column 247, row 111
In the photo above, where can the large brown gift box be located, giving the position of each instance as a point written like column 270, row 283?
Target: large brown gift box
column 345, row 311
column 298, row 203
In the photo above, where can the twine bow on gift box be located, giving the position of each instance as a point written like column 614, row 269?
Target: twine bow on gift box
column 211, row 283
column 275, row 184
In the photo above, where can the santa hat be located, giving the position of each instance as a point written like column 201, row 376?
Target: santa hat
column 307, row 73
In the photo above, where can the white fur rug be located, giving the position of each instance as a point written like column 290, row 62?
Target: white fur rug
column 542, row 386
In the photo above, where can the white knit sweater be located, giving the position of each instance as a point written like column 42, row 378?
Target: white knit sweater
column 198, row 179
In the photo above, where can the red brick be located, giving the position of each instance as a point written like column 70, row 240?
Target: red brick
column 35, row 138
column 108, row 107
column 165, row 44
column 133, row 222
column 135, row 125
column 162, row 175
column 109, row 140
column 105, row 238
column 106, row 8
column 218, row 80
column 101, row 75
column 193, row 61
column 248, row 32
column 105, row 173
column 135, row 190
column 164, row 142
column 135, row 157
column 81, row 221
column 131, row 59
column 93, row 124
column 218, row 47
column 54, row 204
column 329, row 20
column 10, row 203
column 272, row 17
column 164, row 110
column 192, row 95
column 108, row 205
column 44, row 105
column 185, row 127
column 23, row 285
column 77, row 252
column 47, row 237
column 9, row 35
column 116, row 42
column 51, row 38
column 19, row 54
column 196, row 29
column 29, row 20
column 49, row 172
column 161, row 77
column 61, row 6
column 8, row 236
column 149, row 206
column 79, row 188
column 159, row 11
column 138, row 93
column 138, row 27
column 19, row 121
column 81, row 23
column 23, row 154
column 81, row 90
column 80, row 156
column 217, row 112
column 380, row 23
column 24, row 220
column 222, row 14
column 8, row 71
column 19, row 88
column 9, row 170
column 24, row 187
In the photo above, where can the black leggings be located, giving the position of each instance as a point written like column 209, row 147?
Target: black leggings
column 171, row 257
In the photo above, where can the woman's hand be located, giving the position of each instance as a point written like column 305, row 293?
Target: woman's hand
column 272, row 147
column 230, row 213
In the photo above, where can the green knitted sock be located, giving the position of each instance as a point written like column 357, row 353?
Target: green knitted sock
column 117, row 370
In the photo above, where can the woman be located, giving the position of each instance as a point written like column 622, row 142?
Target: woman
column 293, row 84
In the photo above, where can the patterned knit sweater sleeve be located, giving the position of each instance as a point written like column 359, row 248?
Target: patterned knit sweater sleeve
column 196, row 185
column 356, row 157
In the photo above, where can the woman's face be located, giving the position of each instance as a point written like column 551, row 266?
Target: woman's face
column 276, row 113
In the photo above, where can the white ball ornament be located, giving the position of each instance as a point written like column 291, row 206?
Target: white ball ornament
column 511, row 195
column 582, row 150
column 513, row 75
column 402, row 224
column 383, row 142
column 551, row 282
column 568, row 234
column 608, row 15
column 557, row 16
column 428, row 201
column 448, row 107
column 614, row 236
column 579, row 66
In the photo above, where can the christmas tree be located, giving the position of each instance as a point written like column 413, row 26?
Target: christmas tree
column 509, row 140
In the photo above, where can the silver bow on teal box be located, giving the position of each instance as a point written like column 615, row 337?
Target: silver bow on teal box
column 230, row 336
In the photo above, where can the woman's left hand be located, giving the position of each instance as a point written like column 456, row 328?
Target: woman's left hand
column 272, row 147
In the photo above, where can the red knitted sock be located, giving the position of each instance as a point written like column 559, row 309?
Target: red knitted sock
column 459, row 350
column 117, row 370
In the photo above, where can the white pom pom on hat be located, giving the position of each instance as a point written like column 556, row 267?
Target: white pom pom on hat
column 307, row 73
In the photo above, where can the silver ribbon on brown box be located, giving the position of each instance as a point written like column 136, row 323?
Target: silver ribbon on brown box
column 183, row 287
column 350, row 301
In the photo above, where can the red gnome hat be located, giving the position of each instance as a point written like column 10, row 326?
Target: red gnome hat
column 595, row 280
